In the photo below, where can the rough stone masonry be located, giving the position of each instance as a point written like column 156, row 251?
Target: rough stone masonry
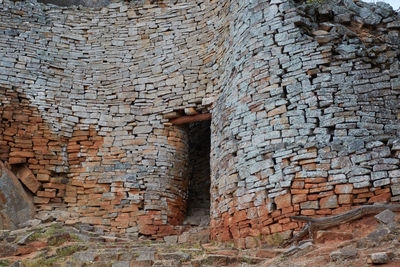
column 304, row 101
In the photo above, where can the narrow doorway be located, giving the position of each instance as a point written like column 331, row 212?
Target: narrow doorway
column 198, row 200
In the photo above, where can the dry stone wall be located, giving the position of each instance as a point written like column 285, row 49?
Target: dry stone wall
column 308, row 118
column 304, row 102
column 102, row 82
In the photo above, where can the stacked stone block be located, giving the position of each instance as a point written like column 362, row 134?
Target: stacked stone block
column 105, row 83
column 28, row 144
column 307, row 120
column 304, row 102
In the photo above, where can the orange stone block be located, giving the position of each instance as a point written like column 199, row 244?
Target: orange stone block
column 345, row 199
column 298, row 184
column 91, row 220
column 15, row 160
column 289, row 226
column 283, row 201
column 324, row 211
column 41, row 200
column 27, row 177
column 299, row 191
column 275, row 228
column 363, row 195
column 22, row 154
column 55, row 186
column 299, row 198
column 148, row 229
column 307, row 212
column 329, row 202
column 360, row 190
column 313, row 197
column 385, row 197
column 239, row 216
column 287, row 210
column 46, row 194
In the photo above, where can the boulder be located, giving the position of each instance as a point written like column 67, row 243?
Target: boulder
column 16, row 206
column 379, row 258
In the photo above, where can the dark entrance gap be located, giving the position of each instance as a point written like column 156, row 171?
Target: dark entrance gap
column 198, row 201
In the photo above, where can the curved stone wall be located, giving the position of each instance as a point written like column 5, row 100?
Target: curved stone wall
column 103, row 80
column 308, row 117
column 304, row 112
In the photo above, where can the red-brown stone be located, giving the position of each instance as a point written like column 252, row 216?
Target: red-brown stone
column 283, row 201
column 385, row 197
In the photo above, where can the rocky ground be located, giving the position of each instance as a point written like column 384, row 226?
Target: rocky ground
column 368, row 241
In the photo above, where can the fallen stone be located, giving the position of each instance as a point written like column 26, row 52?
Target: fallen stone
column 344, row 254
column 379, row 234
column 386, row 216
column 379, row 258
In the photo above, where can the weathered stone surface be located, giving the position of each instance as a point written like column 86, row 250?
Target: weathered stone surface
column 386, row 217
column 379, row 258
column 344, row 253
column 16, row 206
column 26, row 176
column 329, row 202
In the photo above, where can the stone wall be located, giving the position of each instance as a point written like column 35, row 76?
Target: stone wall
column 304, row 102
column 90, row 93
column 308, row 117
